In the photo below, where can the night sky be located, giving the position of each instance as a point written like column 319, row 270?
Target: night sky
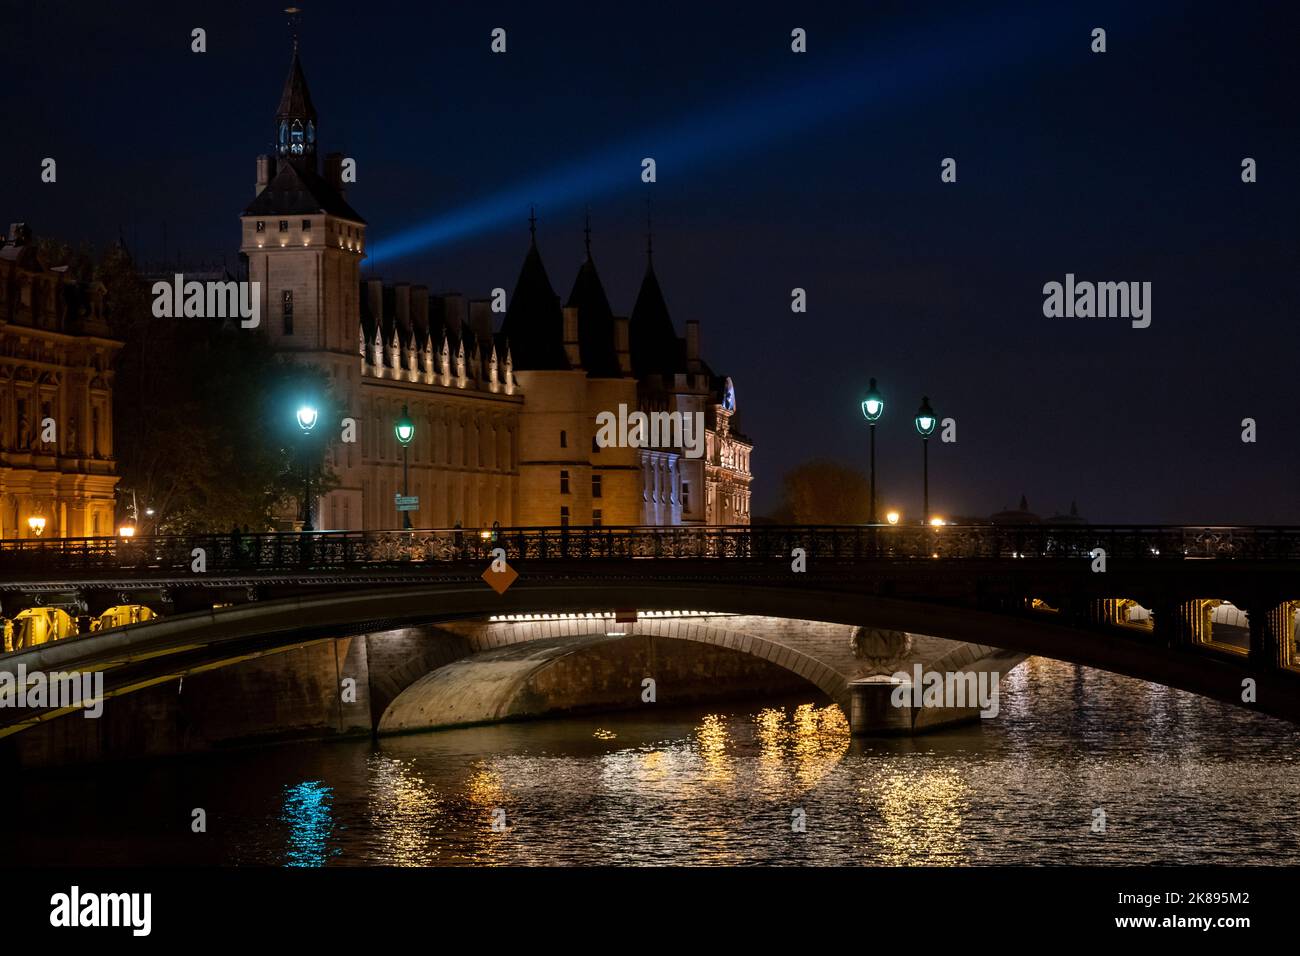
column 775, row 170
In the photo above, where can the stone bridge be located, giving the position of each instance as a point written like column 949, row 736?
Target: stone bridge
column 996, row 593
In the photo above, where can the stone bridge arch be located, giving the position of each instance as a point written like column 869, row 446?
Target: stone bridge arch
column 504, row 661
column 147, row 654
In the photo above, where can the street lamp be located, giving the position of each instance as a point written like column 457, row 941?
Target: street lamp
column 892, row 517
column 925, row 422
column 307, row 416
column 37, row 524
column 404, row 429
column 873, row 406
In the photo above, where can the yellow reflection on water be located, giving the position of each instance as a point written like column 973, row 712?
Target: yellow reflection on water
column 805, row 745
column 920, row 818
column 405, row 812
column 713, row 737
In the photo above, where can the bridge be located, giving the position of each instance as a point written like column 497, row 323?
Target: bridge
column 1139, row 601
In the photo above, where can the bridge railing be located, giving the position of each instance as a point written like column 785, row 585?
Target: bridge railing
column 343, row 550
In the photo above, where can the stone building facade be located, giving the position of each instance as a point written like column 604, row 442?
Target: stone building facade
column 505, row 419
column 57, row 474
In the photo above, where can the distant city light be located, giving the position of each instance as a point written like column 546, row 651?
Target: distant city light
column 937, row 522
column 892, row 517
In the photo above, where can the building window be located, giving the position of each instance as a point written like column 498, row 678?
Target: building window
column 595, row 486
column 595, row 518
column 686, row 496
column 564, row 439
column 564, row 516
column 261, row 225
column 284, row 225
column 286, row 310
column 306, row 225
column 564, row 482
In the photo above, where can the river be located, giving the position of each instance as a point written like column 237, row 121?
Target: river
column 1179, row 779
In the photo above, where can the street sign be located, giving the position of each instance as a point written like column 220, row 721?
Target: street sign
column 407, row 502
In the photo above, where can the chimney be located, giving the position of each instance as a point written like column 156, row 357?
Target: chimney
column 453, row 305
column 375, row 296
column 621, row 346
column 334, row 172
column 693, row 345
column 420, row 309
column 571, row 337
column 263, row 174
column 480, row 319
column 402, row 306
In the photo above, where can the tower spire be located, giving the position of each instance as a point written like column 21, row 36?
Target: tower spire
column 295, row 118
column 587, row 232
column 532, row 224
column 295, row 25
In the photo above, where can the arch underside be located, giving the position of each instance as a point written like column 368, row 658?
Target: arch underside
column 146, row 654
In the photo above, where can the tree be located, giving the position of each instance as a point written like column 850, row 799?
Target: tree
column 824, row 492
column 204, row 416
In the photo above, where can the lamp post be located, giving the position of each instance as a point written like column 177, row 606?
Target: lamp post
column 404, row 429
column 873, row 406
column 925, row 422
column 307, row 415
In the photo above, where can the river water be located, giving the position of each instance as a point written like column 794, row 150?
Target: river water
column 1179, row 779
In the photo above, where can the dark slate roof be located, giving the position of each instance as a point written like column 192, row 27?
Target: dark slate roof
column 300, row 192
column 656, row 349
column 295, row 100
column 534, row 322
column 596, row 341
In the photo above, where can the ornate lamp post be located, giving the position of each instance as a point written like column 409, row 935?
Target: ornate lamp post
column 925, row 422
column 307, row 416
column 404, row 429
column 873, row 406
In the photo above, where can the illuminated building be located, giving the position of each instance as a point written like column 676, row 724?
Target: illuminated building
column 57, row 473
column 505, row 419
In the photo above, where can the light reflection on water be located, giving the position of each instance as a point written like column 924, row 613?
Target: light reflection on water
column 1181, row 779
column 307, row 813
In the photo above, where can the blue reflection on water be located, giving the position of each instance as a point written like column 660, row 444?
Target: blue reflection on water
column 308, row 811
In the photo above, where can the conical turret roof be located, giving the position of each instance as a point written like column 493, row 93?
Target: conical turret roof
column 534, row 322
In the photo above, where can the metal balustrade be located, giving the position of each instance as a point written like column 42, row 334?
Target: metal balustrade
column 358, row 550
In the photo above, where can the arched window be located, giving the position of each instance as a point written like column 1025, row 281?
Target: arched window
column 295, row 138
